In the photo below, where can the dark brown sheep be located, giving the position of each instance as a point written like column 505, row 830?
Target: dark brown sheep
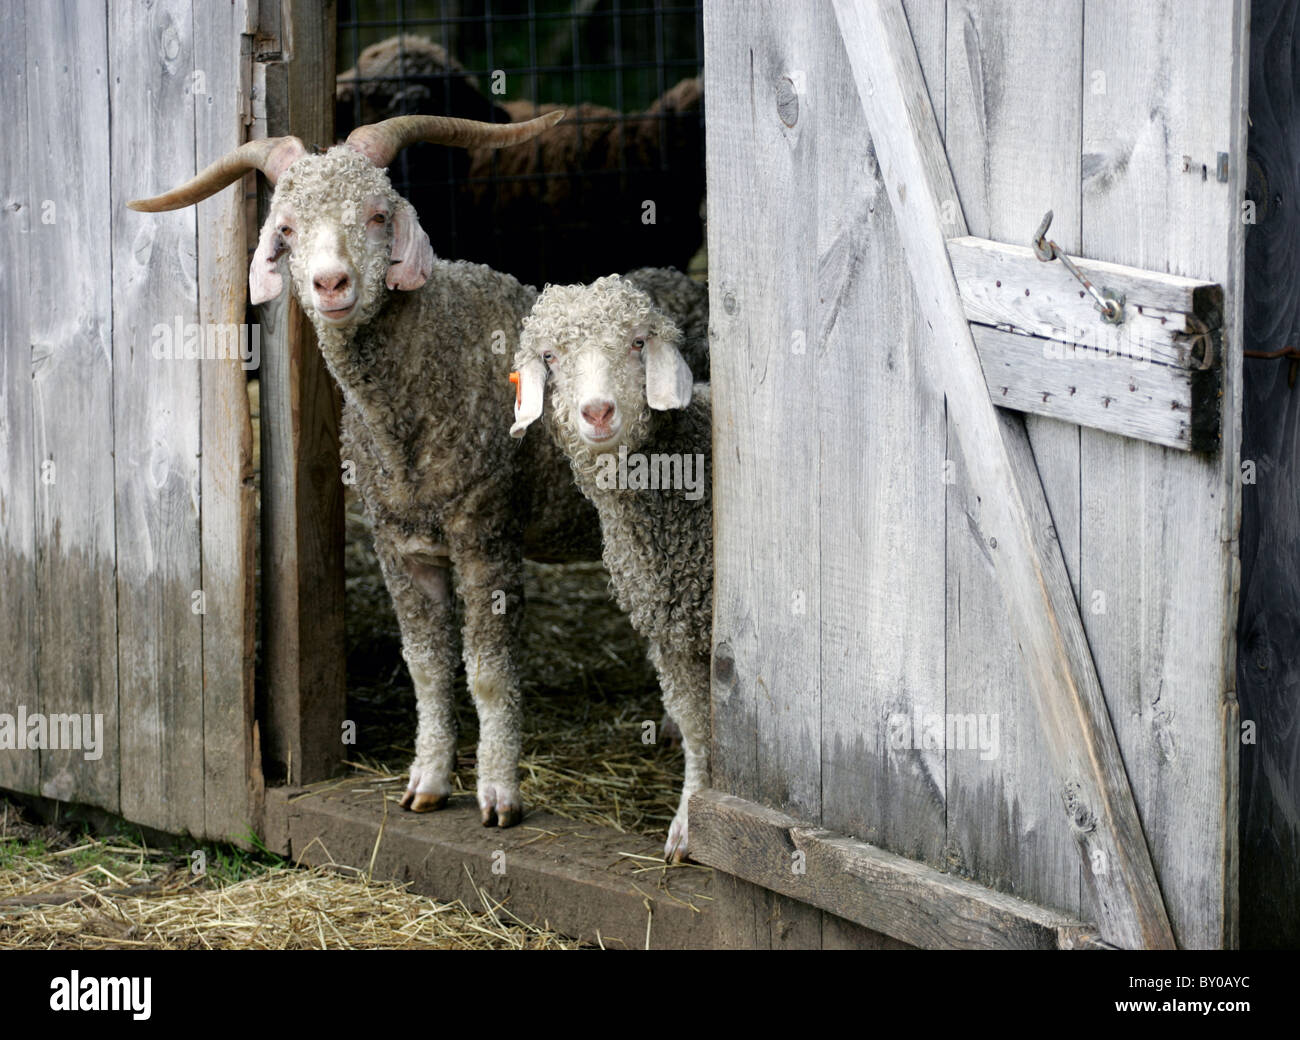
column 601, row 192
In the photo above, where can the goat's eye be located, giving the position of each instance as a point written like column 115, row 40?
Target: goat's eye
column 286, row 230
column 638, row 343
column 548, row 356
column 379, row 220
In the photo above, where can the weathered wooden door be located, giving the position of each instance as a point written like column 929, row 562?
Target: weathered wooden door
column 975, row 598
column 126, row 499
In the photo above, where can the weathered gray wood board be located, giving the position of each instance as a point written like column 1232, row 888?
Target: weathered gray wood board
column 1004, row 820
column 1006, row 284
column 1161, row 404
column 767, row 661
column 1013, row 149
column 302, row 493
column 232, row 769
column 123, row 489
column 1152, row 377
column 70, row 301
column 1158, row 538
column 860, row 883
column 18, row 604
column 1268, row 662
column 872, row 351
column 156, row 410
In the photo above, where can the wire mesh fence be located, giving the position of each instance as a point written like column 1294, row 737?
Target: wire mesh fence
column 617, row 185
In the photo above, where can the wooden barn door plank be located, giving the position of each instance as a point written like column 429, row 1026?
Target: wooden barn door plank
column 222, row 63
column 857, row 882
column 1013, row 116
column 73, row 381
column 19, row 218
column 157, row 409
column 766, row 724
column 1159, row 526
column 1036, row 588
column 882, row 509
column 302, row 490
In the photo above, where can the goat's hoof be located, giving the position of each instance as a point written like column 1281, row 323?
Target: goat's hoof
column 675, row 846
column 501, row 818
column 499, row 806
column 419, row 801
column 426, row 791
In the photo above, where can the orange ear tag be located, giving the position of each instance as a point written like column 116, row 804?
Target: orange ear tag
column 519, row 393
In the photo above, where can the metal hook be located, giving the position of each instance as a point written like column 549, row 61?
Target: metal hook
column 1111, row 306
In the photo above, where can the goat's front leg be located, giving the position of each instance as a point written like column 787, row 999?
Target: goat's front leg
column 684, row 681
column 419, row 582
column 492, row 591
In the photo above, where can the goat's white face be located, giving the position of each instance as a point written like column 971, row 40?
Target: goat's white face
column 608, row 358
column 347, row 234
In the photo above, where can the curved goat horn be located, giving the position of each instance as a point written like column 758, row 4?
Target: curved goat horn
column 380, row 142
column 272, row 155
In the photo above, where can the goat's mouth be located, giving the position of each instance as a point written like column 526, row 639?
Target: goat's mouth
column 337, row 315
column 604, row 438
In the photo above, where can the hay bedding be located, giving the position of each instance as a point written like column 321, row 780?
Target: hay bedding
column 59, row 891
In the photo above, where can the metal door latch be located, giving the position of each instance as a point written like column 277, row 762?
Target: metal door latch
column 1110, row 305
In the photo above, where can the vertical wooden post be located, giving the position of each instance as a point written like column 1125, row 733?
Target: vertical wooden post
column 232, row 771
column 302, row 495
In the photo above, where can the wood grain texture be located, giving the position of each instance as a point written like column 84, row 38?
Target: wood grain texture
column 1036, row 590
column 1158, row 551
column 302, row 493
column 882, row 580
column 1161, row 404
column 72, row 382
column 156, row 409
column 767, row 725
column 1013, row 74
column 884, row 892
column 1268, row 664
column 19, row 212
column 223, row 55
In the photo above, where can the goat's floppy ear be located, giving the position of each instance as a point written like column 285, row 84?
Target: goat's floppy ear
column 668, row 380
column 264, row 281
column 530, row 382
column 412, row 257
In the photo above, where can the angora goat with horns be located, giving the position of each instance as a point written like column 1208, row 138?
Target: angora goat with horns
column 452, row 499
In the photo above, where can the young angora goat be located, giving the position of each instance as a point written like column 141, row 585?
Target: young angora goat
column 636, row 430
column 422, row 371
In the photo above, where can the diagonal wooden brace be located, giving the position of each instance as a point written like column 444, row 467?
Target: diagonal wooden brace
column 1016, row 523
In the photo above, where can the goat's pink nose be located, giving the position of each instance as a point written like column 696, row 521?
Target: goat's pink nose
column 598, row 413
column 331, row 282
